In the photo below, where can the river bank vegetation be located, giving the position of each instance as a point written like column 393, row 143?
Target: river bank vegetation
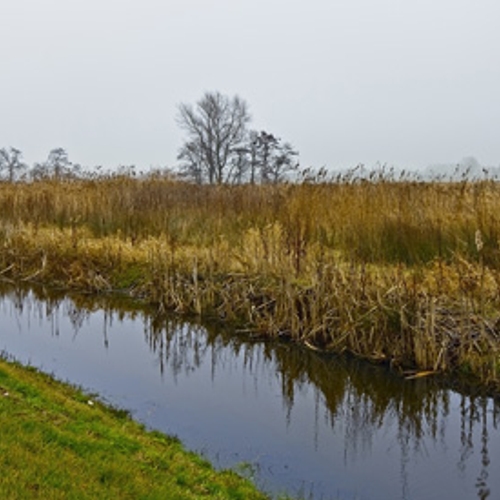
column 393, row 270
column 58, row 443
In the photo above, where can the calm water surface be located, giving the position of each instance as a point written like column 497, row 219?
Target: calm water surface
column 306, row 424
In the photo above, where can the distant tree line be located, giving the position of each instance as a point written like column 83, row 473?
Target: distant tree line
column 219, row 148
column 56, row 166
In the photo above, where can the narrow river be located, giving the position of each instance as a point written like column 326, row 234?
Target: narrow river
column 310, row 425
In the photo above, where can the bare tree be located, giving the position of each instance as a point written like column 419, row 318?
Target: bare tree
column 216, row 129
column 240, row 164
column 282, row 164
column 190, row 157
column 271, row 158
column 10, row 160
column 58, row 162
column 57, row 166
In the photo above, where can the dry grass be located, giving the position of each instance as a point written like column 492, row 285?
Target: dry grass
column 402, row 271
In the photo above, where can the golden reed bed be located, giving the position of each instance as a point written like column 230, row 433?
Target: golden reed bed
column 401, row 271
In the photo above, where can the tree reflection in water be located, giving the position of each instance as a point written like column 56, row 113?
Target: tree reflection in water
column 355, row 398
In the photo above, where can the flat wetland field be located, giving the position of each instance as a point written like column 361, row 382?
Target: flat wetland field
column 396, row 271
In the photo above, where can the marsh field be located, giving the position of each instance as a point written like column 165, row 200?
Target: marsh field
column 395, row 271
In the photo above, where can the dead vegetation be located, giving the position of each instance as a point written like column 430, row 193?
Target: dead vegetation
column 400, row 271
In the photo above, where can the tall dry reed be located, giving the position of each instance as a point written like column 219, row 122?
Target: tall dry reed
column 388, row 270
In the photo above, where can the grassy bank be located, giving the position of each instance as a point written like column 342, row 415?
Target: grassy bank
column 399, row 271
column 57, row 443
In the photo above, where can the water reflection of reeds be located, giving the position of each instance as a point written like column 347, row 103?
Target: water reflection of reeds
column 361, row 397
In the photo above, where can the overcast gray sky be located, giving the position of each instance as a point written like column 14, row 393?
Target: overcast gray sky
column 406, row 83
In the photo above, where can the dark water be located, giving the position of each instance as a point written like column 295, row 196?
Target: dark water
column 303, row 423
